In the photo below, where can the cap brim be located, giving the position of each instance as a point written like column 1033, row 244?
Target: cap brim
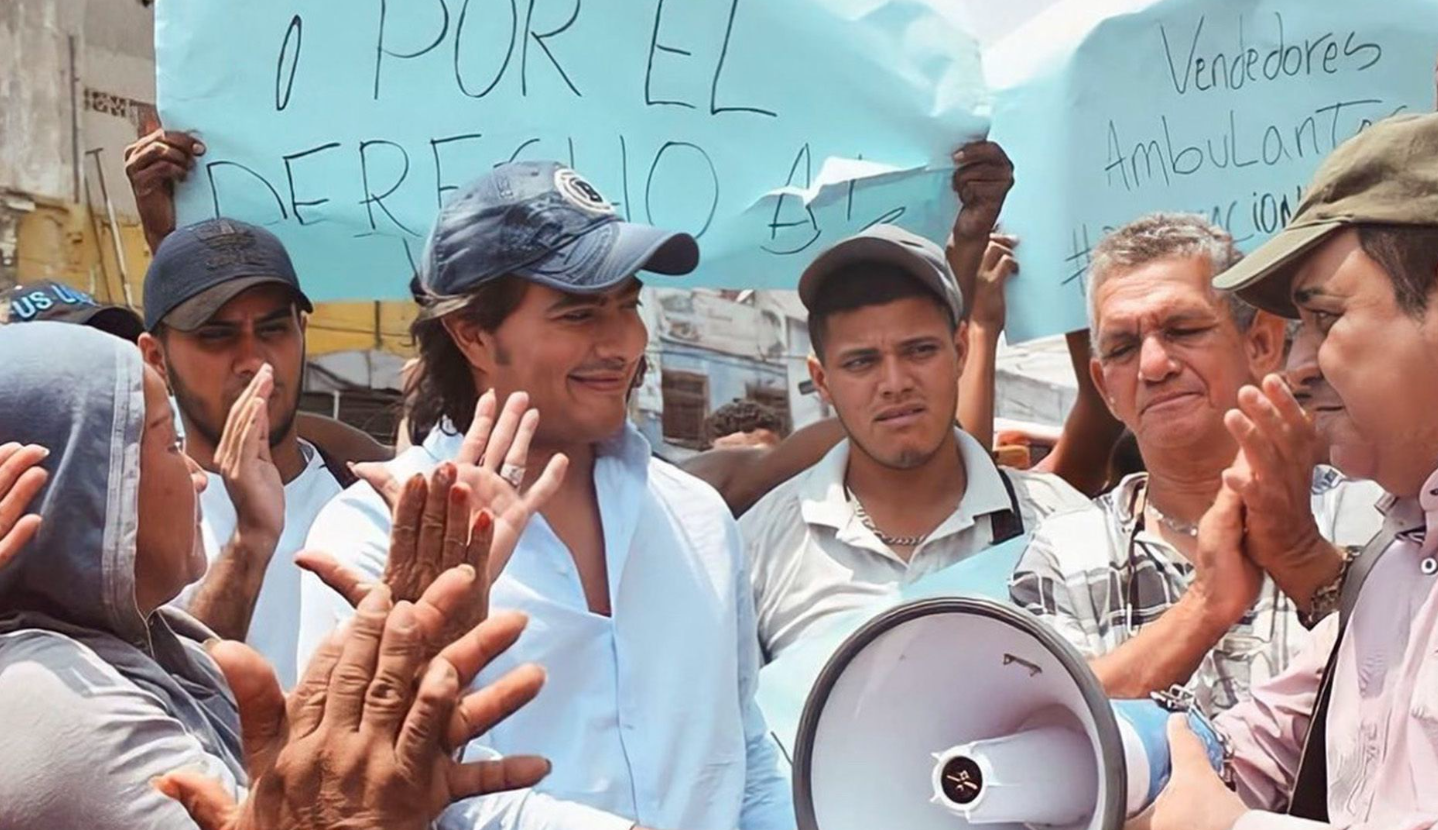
column 1264, row 277
column 197, row 310
column 611, row 254
column 870, row 249
column 117, row 320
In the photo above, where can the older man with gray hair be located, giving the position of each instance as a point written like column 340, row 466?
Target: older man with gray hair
column 1126, row 579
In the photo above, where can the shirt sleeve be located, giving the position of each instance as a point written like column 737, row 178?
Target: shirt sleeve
column 354, row 529
column 1266, row 732
column 768, row 797
column 760, row 542
column 1040, row 586
column 91, row 744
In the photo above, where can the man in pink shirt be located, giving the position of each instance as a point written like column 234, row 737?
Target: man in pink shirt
column 1358, row 265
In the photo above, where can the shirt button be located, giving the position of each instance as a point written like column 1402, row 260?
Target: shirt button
column 1429, row 566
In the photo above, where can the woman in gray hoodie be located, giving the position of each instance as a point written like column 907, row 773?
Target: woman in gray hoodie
column 104, row 689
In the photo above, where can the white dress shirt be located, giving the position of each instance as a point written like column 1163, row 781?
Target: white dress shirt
column 647, row 715
column 813, row 560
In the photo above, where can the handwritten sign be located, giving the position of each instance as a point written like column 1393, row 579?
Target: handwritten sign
column 768, row 128
column 1116, row 108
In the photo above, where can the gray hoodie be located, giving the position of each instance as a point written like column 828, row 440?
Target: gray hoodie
column 95, row 699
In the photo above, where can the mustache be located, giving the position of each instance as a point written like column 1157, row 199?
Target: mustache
column 617, row 364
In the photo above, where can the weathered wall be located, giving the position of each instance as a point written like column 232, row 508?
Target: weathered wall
column 35, row 87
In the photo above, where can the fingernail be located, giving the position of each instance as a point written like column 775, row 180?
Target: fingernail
column 402, row 616
column 199, row 148
column 457, row 495
column 44, row 451
column 483, row 521
column 468, row 571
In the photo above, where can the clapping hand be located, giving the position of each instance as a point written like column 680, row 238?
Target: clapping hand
column 21, row 478
column 367, row 740
column 471, row 511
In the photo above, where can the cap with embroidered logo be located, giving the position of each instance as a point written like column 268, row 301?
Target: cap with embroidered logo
column 200, row 267
column 541, row 221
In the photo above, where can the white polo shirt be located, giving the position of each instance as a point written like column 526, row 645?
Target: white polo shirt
column 812, row 559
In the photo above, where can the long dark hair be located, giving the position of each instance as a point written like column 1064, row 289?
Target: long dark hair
column 443, row 384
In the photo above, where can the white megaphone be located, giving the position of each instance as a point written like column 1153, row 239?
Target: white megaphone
column 957, row 712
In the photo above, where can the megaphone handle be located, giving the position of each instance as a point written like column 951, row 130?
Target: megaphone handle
column 1143, row 726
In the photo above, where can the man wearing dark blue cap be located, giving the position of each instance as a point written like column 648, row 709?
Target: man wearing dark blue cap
column 59, row 303
column 225, row 315
column 633, row 577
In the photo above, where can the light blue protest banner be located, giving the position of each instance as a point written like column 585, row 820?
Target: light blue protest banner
column 1112, row 109
column 768, row 128
column 785, row 683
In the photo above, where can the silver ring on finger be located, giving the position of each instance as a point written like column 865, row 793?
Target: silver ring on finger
column 512, row 473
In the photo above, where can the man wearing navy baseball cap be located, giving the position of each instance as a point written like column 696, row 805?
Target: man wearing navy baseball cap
column 633, row 577
column 225, row 317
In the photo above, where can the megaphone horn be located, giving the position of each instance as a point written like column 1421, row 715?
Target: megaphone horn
column 952, row 712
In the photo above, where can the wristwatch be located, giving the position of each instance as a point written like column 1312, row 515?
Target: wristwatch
column 1327, row 598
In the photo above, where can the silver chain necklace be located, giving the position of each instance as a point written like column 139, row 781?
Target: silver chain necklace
column 1189, row 529
column 868, row 522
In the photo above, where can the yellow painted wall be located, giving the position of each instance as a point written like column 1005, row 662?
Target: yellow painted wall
column 58, row 241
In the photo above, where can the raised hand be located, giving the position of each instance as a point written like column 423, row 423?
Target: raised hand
column 153, row 164
column 1226, row 582
column 486, row 479
column 1274, row 475
column 360, row 743
column 250, row 475
column 492, row 462
column 995, row 269
column 982, row 180
column 432, row 533
column 21, row 478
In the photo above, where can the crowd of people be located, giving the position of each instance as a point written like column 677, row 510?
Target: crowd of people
column 217, row 610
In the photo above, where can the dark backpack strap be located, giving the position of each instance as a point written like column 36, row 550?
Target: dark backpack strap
column 1007, row 524
column 1309, row 798
column 341, row 472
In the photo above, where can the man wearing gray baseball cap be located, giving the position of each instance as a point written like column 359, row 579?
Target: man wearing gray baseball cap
column 633, row 577
column 908, row 492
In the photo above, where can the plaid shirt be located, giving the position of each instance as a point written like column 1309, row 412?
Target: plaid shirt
column 1097, row 579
